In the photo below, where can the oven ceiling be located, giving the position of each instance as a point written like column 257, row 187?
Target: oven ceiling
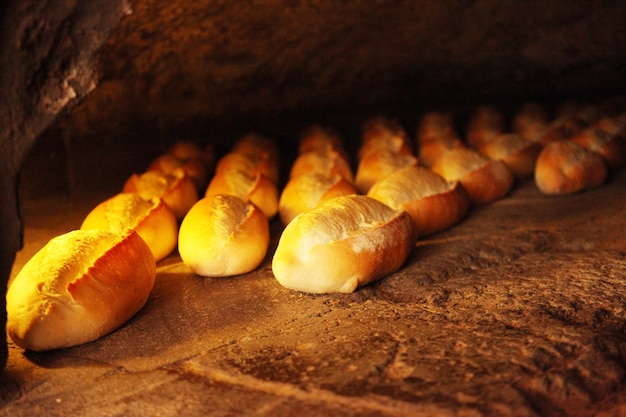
column 181, row 60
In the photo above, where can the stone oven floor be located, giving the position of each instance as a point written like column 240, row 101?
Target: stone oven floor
column 518, row 310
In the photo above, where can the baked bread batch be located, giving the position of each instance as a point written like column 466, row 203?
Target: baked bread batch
column 346, row 222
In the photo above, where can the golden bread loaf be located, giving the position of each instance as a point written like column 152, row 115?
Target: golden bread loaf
column 80, row 286
column 255, row 188
column 565, row 167
column 326, row 163
column 483, row 179
column 435, row 126
column 486, row 122
column 152, row 219
column 516, row 152
column 306, row 191
column 195, row 161
column 250, row 164
column 376, row 165
column 223, row 236
column 611, row 147
column 530, row 121
column 259, row 146
column 342, row 244
column 317, row 138
column 176, row 189
column 430, row 151
column 433, row 203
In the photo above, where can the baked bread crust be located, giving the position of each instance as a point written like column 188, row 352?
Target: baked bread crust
column 223, row 236
column 342, row 244
column 433, row 203
column 483, row 179
column 565, row 167
column 80, row 286
column 152, row 219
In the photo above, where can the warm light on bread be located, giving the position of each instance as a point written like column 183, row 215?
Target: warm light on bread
column 611, row 147
column 254, row 188
column 486, row 122
column 306, row 191
column 79, row 287
column 176, row 189
column 223, row 236
column 376, row 165
column 433, row 203
column 326, row 163
column 342, row 244
column 517, row 153
column 152, row 219
column 483, row 179
column 565, row 167
column 248, row 163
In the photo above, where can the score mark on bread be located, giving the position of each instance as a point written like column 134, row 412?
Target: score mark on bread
column 79, row 287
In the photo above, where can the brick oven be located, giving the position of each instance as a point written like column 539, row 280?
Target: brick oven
column 517, row 309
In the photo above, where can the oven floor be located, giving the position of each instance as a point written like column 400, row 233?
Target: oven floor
column 519, row 310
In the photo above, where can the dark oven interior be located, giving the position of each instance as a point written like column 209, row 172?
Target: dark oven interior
column 515, row 310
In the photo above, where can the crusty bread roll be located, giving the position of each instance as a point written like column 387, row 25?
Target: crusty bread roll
column 317, row 138
column 260, row 146
column 223, row 236
column 392, row 143
column 516, row 152
column 483, row 179
column 197, row 162
column 430, row 151
column 380, row 132
column 611, row 147
column 486, row 122
column 79, row 287
column 433, row 203
column 560, row 129
column 152, row 219
column 342, row 244
column 530, row 121
column 326, row 163
column 565, row 167
column 255, row 188
column 250, row 164
column 195, row 169
column 176, row 189
column 376, row 165
column 306, row 191
column 435, row 126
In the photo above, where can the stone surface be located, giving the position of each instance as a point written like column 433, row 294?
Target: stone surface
column 518, row 310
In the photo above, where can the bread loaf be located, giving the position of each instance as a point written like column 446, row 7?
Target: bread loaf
column 327, row 163
column 565, row 167
column 248, row 163
column 176, row 189
column 79, row 287
column 306, row 191
column 486, row 122
column 319, row 139
column 483, row 179
column 611, row 147
column 152, row 219
column 223, row 236
column 436, row 126
column 255, row 188
column 530, row 121
column 196, row 162
column 342, row 244
column 517, row 153
column 376, row 165
column 433, row 203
